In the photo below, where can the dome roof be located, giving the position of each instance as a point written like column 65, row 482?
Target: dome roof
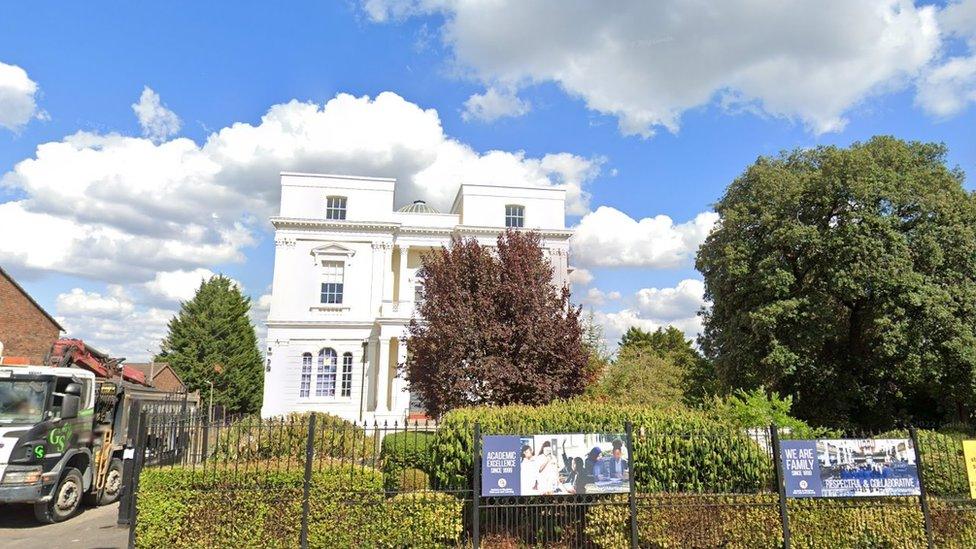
column 418, row 206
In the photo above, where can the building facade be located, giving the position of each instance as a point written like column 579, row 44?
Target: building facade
column 27, row 331
column 345, row 284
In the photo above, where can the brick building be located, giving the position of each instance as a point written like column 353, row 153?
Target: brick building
column 26, row 329
column 160, row 375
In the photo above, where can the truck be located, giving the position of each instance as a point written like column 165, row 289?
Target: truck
column 63, row 426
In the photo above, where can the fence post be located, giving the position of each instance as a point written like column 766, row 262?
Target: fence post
column 133, row 445
column 922, row 495
column 307, row 484
column 206, row 440
column 476, row 489
column 633, row 482
column 784, row 514
column 139, row 460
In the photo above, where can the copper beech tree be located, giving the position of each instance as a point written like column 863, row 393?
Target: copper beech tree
column 493, row 329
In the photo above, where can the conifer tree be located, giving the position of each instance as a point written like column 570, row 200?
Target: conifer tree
column 212, row 339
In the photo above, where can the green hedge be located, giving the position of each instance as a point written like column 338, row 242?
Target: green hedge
column 183, row 507
column 402, row 454
column 752, row 521
column 254, row 438
column 673, row 451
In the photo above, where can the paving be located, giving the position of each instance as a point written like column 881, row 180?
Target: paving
column 92, row 528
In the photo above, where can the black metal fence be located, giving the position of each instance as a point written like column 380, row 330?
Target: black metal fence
column 316, row 481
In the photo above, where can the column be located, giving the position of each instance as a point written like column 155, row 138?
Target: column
column 388, row 272
column 376, row 281
column 382, row 375
column 404, row 294
column 401, row 395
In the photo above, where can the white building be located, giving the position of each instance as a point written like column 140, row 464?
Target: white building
column 345, row 283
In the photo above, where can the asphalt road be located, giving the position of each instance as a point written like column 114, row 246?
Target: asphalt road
column 92, row 528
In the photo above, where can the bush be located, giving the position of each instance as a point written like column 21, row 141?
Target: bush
column 402, row 451
column 408, row 480
column 673, row 451
column 755, row 409
column 186, row 507
column 286, row 436
column 752, row 521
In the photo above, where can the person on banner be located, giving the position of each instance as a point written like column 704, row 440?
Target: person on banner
column 616, row 467
column 592, row 467
column 548, row 470
column 529, row 481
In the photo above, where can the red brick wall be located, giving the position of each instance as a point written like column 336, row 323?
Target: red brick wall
column 24, row 330
column 167, row 381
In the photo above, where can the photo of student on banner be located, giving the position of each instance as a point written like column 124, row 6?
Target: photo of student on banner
column 567, row 464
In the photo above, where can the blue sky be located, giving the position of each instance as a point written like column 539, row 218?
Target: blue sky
column 651, row 117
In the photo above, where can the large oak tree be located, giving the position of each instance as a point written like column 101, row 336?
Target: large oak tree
column 493, row 329
column 845, row 277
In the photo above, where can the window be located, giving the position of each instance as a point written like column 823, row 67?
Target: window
column 346, row 374
column 306, row 385
column 332, row 276
column 514, row 216
column 325, row 377
column 335, row 207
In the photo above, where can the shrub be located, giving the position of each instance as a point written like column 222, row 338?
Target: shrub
column 409, row 480
column 286, row 436
column 752, row 521
column 673, row 451
column 755, row 409
column 401, row 451
column 186, row 507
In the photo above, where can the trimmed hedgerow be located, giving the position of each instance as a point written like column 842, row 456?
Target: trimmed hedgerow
column 402, row 455
column 185, row 507
column 254, row 438
column 752, row 521
column 673, row 451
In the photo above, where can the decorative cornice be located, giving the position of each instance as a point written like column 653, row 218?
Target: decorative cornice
column 285, row 242
column 368, row 324
column 306, row 223
column 395, row 228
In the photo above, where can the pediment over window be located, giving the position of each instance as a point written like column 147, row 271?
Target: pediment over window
column 332, row 251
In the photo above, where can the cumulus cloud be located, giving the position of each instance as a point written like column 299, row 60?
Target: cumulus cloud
column 113, row 322
column 494, row 104
column 655, row 308
column 597, row 297
column 580, row 277
column 120, row 209
column 608, row 237
column 18, row 98
column 177, row 286
column 157, row 122
column 646, row 63
column 950, row 86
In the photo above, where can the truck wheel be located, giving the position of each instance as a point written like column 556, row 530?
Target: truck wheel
column 113, row 483
column 64, row 500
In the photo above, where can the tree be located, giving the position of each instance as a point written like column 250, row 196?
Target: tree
column 641, row 375
column 845, row 278
column 212, row 339
column 493, row 329
column 596, row 347
column 696, row 376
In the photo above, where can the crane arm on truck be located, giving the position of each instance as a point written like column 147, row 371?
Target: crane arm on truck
column 74, row 352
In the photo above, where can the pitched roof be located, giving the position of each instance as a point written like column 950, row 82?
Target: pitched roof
column 31, row 299
column 154, row 368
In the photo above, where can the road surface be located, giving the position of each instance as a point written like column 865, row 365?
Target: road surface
column 92, row 528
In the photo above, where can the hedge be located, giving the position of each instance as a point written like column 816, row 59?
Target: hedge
column 403, row 456
column 752, row 521
column 673, row 451
column 254, row 438
column 185, row 507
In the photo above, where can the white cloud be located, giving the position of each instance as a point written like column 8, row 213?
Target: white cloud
column 610, row 238
column 647, row 63
column 259, row 315
column 682, row 301
column 177, row 286
column 597, row 297
column 121, row 209
column 158, row 122
column 580, row 277
column 949, row 87
column 657, row 308
column 18, row 98
column 113, row 323
column 494, row 104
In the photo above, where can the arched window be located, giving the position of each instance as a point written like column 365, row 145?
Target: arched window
column 325, row 376
column 346, row 374
column 306, row 385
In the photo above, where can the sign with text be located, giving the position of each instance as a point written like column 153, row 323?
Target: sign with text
column 562, row 464
column 840, row 468
column 969, row 453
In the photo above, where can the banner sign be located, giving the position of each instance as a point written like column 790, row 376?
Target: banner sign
column 842, row 468
column 969, row 453
column 536, row 465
